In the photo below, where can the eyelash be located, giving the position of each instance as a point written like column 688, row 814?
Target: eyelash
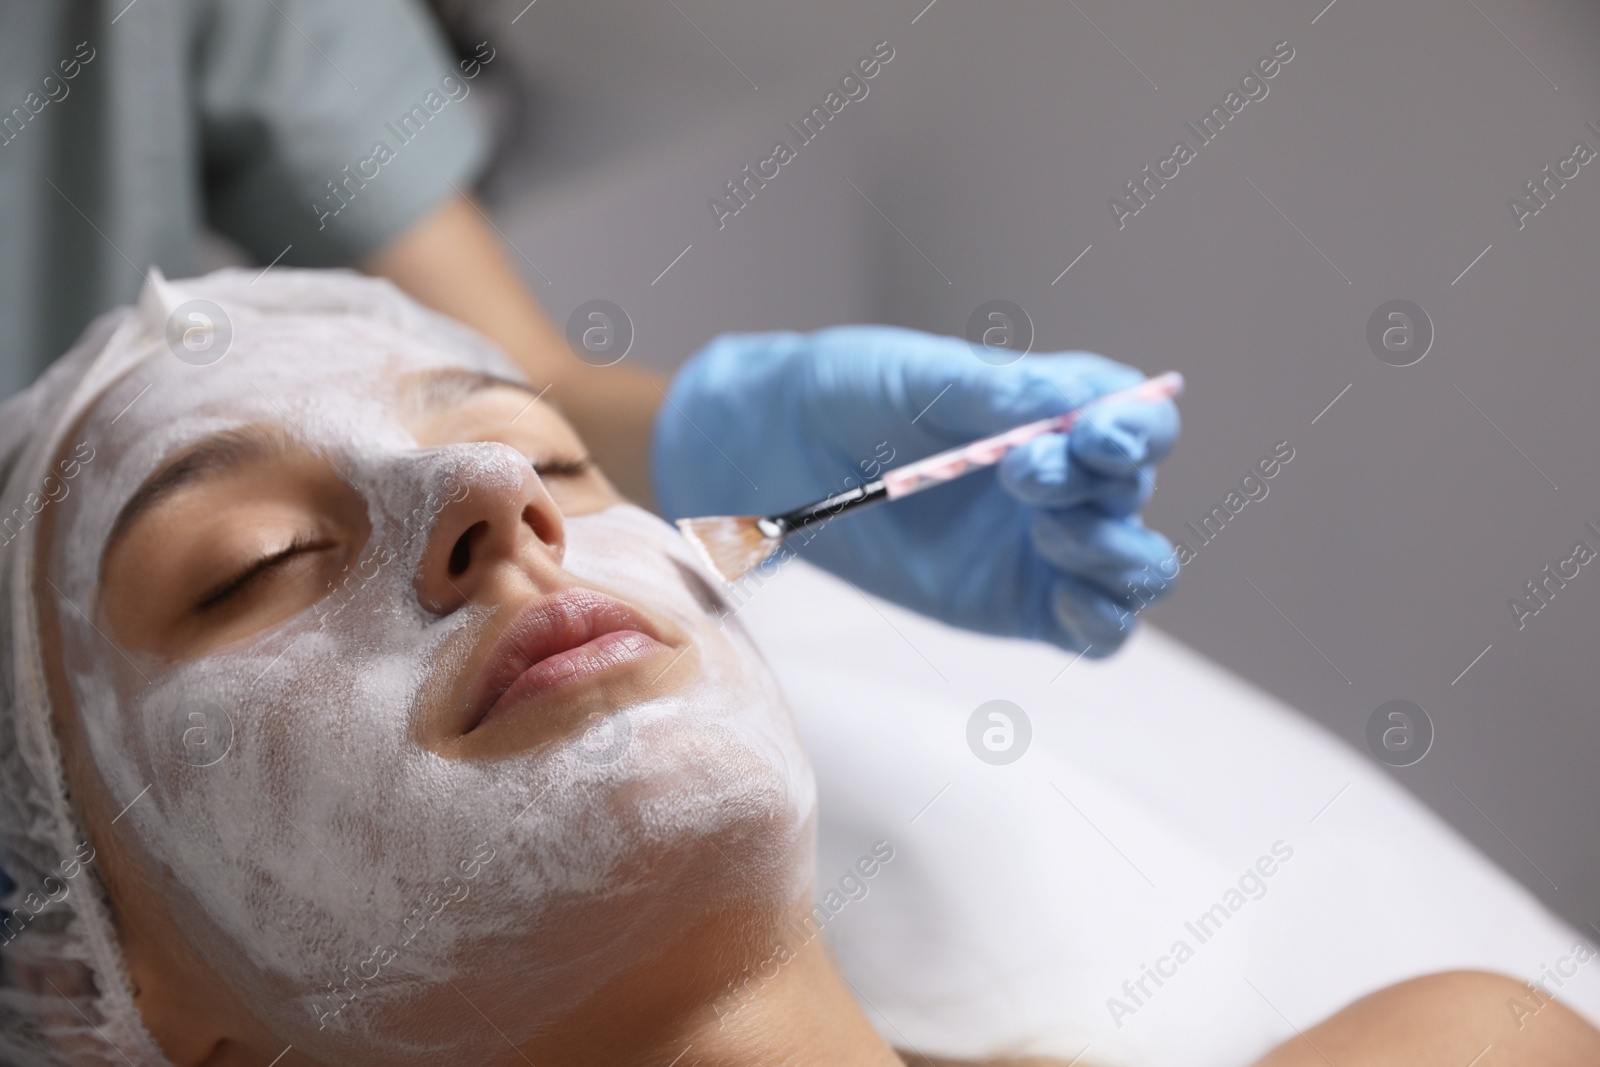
column 301, row 543
column 561, row 467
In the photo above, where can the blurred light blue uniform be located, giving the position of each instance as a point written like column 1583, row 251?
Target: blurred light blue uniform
column 126, row 129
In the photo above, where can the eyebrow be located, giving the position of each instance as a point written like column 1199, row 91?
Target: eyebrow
column 207, row 458
column 452, row 385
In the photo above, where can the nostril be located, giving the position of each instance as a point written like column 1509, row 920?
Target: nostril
column 541, row 524
column 461, row 553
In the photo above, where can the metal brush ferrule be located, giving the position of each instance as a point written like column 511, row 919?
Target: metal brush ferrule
column 828, row 507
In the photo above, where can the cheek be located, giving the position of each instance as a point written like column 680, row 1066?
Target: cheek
column 628, row 551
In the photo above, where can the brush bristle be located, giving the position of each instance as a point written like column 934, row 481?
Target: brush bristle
column 730, row 545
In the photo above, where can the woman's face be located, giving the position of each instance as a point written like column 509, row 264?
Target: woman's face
column 406, row 706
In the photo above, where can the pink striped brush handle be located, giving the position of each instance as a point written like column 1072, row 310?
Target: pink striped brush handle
column 954, row 462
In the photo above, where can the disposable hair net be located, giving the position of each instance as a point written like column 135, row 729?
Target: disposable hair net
column 64, row 992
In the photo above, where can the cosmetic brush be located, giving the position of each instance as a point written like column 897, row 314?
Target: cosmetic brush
column 734, row 545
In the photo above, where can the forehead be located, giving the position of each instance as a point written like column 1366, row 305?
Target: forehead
column 331, row 380
column 329, row 369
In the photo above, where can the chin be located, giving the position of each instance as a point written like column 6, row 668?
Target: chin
column 658, row 867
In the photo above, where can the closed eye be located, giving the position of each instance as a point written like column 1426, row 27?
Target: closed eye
column 228, row 588
column 563, row 467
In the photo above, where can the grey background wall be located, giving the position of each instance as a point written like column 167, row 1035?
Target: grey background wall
column 1378, row 167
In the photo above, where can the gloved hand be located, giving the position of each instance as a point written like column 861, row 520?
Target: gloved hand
column 1048, row 545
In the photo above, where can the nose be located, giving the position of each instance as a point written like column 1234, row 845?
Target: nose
column 498, row 522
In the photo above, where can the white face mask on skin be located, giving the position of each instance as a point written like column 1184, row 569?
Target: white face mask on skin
column 348, row 884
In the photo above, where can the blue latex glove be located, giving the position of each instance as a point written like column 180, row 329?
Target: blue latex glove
column 1048, row 545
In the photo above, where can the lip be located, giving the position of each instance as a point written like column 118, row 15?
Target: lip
column 559, row 642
